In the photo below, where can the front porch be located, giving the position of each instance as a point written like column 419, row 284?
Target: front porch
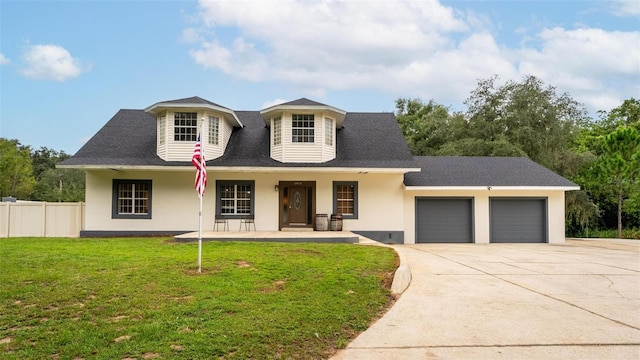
column 273, row 236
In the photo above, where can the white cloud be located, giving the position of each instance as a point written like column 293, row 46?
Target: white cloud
column 3, row 60
column 50, row 62
column 268, row 104
column 624, row 8
column 405, row 48
column 598, row 67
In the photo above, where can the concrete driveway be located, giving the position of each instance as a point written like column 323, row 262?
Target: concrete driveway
column 579, row 300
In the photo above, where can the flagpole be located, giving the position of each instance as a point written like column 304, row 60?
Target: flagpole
column 200, row 238
column 200, row 195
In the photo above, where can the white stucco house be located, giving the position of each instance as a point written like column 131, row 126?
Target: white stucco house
column 283, row 165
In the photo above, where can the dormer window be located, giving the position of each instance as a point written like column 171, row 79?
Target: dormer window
column 328, row 131
column 190, row 115
column 214, row 130
column 162, row 131
column 303, row 131
column 277, row 131
column 302, row 128
column 185, row 126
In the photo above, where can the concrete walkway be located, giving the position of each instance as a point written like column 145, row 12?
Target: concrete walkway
column 580, row 300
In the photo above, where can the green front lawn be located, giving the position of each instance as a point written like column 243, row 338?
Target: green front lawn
column 142, row 298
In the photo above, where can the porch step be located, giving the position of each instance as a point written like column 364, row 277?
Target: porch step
column 297, row 229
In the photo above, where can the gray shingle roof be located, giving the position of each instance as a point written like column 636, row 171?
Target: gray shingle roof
column 129, row 138
column 304, row 102
column 367, row 140
column 192, row 100
column 482, row 171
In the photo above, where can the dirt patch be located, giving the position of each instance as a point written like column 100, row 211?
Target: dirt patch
column 151, row 355
column 243, row 264
column 121, row 338
column 6, row 340
column 194, row 272
column 182, row 299
column 275, row 286
column 116, row 319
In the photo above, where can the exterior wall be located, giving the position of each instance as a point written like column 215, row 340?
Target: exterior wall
column 174, row 205
column 328, row 151
column 555, row 210
column 175, row 202
column 161, row 145
column 225, row 132
column 277, row 151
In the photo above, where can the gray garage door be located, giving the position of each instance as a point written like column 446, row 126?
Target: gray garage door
column 518, row 220
column 444, row 220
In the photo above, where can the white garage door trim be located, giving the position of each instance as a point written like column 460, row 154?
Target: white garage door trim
column 518, row 220
column 453, row 219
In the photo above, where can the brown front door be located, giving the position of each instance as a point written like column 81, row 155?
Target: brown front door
column 298, row 205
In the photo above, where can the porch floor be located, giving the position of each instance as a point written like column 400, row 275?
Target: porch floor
column 273, row 236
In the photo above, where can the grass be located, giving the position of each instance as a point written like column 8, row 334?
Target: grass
column 633, row 233
column 143, row 298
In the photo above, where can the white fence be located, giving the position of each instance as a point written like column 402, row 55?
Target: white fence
column 41, row 219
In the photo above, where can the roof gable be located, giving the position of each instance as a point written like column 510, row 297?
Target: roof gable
column 304, row 102
column 192, row 100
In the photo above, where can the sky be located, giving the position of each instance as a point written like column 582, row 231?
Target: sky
column 66, row 67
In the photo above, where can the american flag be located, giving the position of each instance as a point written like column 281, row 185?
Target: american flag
column 201, row 168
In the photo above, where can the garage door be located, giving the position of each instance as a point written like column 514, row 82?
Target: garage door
column 518, row 220
column 444, row 220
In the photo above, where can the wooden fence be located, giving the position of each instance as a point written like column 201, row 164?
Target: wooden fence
column 41, row 219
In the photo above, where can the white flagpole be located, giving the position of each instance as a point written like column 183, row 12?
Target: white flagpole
column 200, row 212
column 200, row 238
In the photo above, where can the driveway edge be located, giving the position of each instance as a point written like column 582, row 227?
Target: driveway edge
column 402, row 276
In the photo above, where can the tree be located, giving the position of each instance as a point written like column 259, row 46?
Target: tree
column 60, row 185
column 49, row 179
column 528, row 115
column 16, row 173
column 627, row 114
column 44, row 159
column 428, row 127
column 618, row 168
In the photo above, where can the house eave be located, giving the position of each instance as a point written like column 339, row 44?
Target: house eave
column 337, row 113
column 491, row 188
column 247, row 169
column 160, row 107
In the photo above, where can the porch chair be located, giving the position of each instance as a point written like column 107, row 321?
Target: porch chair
column 220, row 221
column 248, row 221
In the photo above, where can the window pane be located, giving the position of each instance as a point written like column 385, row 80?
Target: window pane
column 277, row 131
column 214, row 130
column 235, row 199
column 185, row 126
column 345, row 196
column 302, row 128
column 133, row 198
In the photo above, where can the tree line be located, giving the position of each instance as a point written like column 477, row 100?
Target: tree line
column 531, row 119
column 28, row 174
